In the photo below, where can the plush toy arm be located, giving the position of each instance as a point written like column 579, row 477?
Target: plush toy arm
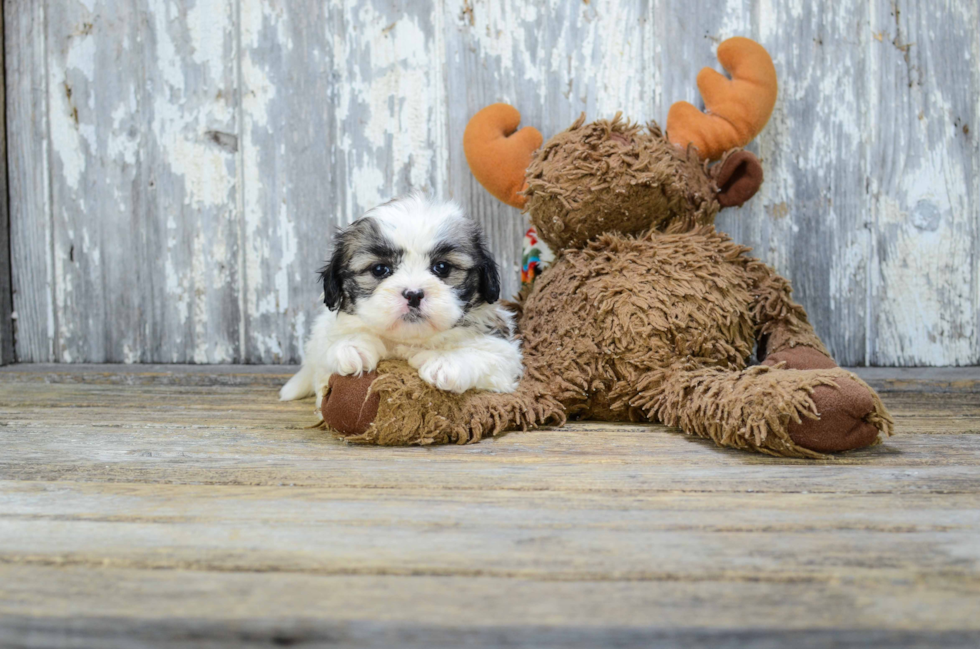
column 782, row 328
column 395, row 407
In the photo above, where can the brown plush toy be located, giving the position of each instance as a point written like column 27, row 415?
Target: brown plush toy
column 647, row 313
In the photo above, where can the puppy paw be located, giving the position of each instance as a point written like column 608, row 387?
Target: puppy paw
column 501, row 383
column 348, row 358
column 443, row 373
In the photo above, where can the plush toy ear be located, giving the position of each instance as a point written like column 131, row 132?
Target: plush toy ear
column 738, row 178
column 499, row 154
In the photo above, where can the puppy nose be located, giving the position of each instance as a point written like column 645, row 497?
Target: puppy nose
column 414, row 297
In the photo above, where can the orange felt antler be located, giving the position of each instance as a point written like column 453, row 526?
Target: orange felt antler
column 498, row 156
column 736, row 109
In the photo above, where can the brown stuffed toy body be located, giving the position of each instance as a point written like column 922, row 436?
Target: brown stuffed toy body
column 647, row 313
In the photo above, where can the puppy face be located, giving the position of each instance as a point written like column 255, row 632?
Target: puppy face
column 410, row 268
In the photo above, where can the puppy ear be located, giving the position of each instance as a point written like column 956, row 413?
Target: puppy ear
column 332, row 278
column 335, row 274
column 489, row 285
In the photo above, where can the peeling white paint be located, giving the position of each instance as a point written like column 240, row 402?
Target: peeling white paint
column 924, row 296
column 174, row 278
column 130, row 355
column 200, row 274
column 255, row 101
column 193, row 127
column 389, row 115
column 207, row 35
column 64, row 288
column 120, row 144
column 287, row 258
column 926, row 321
column 168, row 59
column 73, row 141
column 64, row 98
column 255, row 108
column 208, row 173
column 180, row 131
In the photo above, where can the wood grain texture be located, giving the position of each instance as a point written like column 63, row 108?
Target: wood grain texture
column 290, row 190
column 127, row 243
column 28, row 175
column 538, row 599
column 138, row 511
column 93, row 74
column 6, row 288
column 925, row 200
column 175, row 207
column 189, row 291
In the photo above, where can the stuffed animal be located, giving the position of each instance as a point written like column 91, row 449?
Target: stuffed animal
column 647, row 313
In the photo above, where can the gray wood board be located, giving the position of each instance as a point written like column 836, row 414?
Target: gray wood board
column 123, row 633
column 6, row 288
column 178, row 170
column 27, row 172
column 165, row 514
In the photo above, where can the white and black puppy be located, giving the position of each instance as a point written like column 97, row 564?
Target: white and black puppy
column 412, row 279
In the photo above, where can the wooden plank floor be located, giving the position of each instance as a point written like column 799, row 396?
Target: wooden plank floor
column 147, row 506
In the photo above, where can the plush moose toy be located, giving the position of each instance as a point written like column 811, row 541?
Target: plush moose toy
column 647, row 312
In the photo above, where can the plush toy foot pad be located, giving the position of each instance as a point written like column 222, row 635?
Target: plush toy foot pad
column 350, row 406
column 843, row 424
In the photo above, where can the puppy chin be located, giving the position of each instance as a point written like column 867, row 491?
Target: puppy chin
column 388, row 315
column 411, row 328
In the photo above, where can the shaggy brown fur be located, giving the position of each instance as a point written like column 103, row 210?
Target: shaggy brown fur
column 410, row 411
column 647, row 314
column 614, row 175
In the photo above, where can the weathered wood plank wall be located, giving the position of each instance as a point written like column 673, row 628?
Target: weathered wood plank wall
column 6, row 295
column 177, row 169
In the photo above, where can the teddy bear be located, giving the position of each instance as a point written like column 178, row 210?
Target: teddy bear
column 647, row 313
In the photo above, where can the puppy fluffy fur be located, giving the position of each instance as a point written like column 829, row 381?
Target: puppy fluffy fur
column 412, row 279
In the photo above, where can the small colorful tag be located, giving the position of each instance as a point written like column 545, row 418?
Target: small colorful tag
column 536, row 256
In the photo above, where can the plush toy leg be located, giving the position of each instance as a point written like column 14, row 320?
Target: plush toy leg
column 397, row 408
column 838, row 407
column 791, row 413
column 781, row 323
column 851, row 414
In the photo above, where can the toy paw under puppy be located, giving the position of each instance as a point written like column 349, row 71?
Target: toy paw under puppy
column 647, row 312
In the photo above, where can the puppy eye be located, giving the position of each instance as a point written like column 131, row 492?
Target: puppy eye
column 380, row 270
column 441, row 269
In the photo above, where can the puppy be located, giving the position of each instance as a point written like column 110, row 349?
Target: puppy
column 411, row 279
